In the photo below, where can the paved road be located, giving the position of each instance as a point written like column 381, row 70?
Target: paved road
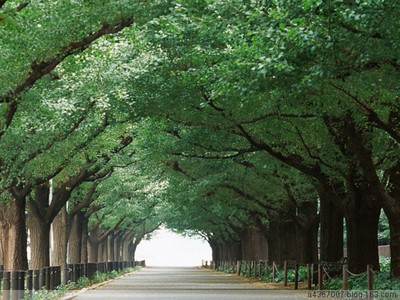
column 185, row 283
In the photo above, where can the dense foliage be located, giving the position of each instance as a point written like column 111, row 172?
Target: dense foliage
column 221, row 118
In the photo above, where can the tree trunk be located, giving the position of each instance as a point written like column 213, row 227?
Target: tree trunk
column 13, row 234
column 110, row 246
column 1, row 245
column 362, row 217
column 394, row 225
column 307, row 234
column 39, row 227
column 100, row 250
column 127, row 243
column 40, row 242
column 117, row 248
column 331, row 226
column 215, row 250
column 391, row 206
column 85, row 237
column 92, row 251
column 254, row 244
column 235, row 251
column 75, row 239
column 132, row 249
column 59, row 255
column 105, row 250
column 282, row 238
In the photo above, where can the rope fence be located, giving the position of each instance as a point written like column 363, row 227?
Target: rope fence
column 315, row 273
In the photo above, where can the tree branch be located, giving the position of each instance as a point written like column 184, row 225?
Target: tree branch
column 39, row 69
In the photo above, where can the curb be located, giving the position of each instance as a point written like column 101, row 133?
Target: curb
column 69, row 296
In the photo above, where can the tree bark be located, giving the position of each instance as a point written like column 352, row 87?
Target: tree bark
column 307, row 233
column 59, row 255
column 84, row 244
column 282, row 239
column 254, row 244
column 128, row 242
column 39, row 242
column 391, row 206
column 132, row 249
column 215, row 250
column 13, row 234
column 331, row 226
column 362, row 217
column 39, row 227
column 110, row 246
column 75, row 239
column 117, row 248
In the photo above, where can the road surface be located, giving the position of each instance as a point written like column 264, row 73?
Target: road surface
column 185, row 283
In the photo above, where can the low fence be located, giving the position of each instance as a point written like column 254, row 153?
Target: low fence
column 15, row 283
column 315, row 273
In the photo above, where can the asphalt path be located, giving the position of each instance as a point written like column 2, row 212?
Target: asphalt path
column 185, row 283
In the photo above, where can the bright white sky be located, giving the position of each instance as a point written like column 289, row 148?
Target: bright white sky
column 170, row 249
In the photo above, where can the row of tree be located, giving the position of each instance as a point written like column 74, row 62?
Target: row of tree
column 67, row 159
column 260, row 125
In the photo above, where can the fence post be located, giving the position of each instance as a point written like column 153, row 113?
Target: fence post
column 273, row 271
column 260, row 268
column 296, row 277
column 345, row 278
column 266, row 268
column 52, row 278
column 47, row 271
column 65, row 274
column 370, row 278
column 309, row 278
column 285, row 273
column 21, row 284
column 36, row 284
column 255, row 269
column 14, row 285
column 57, row 278
column 29, row 282
column 238, row 266
column 41, row 278
column 249, row 263
column 1, row 272
column 320, row 277
column 6, row 285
